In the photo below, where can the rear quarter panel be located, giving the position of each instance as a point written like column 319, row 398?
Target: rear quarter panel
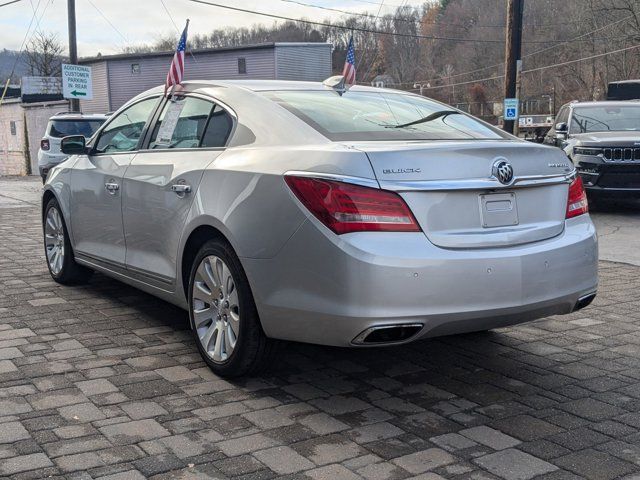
column 243, row 193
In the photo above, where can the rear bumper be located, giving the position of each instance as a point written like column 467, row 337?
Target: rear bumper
column 328, row 289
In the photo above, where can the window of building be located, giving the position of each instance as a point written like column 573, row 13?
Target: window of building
column 242, row 65
column 135, row 69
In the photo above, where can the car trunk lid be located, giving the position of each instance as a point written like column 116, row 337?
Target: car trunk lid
column 452, row 189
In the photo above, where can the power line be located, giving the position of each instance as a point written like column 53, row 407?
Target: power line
column 126, row 41
column 389, row 5
column 542, row 50
column 355, row 29
column 554, row 65
column 37, row 19
column 9, row 3
column 409, row 20
column 189, row 50
column 368, row 15
column 375, row 56
column 343, row 27
column 590, row 57
column 15, row 62
column 170, row 16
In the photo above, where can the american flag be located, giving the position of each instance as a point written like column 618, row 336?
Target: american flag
column 349, row 71
column 176, row 70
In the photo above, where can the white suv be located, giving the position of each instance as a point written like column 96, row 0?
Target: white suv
column 61, row 125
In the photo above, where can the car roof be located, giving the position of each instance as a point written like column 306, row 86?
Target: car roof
column 605, row 103
column 267, row 85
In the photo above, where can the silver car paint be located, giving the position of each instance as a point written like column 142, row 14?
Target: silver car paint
column 358, row 280
column 310, row 284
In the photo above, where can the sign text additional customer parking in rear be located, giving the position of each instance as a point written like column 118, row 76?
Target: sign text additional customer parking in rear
column 76, row 82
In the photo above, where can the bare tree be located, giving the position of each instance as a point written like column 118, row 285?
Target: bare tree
column 566, row 46
column 43, row 54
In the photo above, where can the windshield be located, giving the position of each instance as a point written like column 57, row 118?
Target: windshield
column 63, row 128
column 605, row 118
column 380, row 116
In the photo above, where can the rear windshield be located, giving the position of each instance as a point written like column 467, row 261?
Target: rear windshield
column 63, row 128
column 605, row 118
column 377, row 115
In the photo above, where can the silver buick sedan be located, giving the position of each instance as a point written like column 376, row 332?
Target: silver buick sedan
column 279, row 210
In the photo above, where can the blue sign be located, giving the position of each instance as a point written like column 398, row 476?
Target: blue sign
column 511, row 108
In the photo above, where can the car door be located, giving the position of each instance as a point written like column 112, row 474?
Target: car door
column 96, row 185
column 160, row 183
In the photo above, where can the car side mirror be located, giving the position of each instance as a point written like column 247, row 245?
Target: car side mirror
column 73, row 145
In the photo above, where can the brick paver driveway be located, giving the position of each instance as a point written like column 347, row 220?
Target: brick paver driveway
column 103, row 381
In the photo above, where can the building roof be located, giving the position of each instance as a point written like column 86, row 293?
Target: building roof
column 257, row 46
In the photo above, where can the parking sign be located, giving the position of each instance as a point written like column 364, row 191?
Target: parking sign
column 76, row 82
column 511, row 108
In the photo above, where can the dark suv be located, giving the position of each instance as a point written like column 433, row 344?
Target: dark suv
column 603, row 141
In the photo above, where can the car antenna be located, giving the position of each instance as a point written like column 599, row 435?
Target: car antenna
column 336, row 83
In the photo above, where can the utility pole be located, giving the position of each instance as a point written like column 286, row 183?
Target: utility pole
column 73, row 46
column 513, row 52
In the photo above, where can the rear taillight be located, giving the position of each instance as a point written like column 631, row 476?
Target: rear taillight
column 345, row 208
column 44, row 144
column 577, row 200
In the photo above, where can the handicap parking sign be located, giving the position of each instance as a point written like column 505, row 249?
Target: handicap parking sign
column 511, row 108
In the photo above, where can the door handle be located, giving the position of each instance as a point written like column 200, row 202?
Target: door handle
column 112, row 188
column 181, row 189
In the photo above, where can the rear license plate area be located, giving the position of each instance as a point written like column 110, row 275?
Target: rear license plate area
column 498, row 209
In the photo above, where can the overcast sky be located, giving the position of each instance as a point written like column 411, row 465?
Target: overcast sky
column 142, row 21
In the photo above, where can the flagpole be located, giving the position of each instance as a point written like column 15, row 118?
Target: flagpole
column 173, row 87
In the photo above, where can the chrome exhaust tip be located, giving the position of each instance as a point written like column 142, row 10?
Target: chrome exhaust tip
column 388, row 334
column 584, row 301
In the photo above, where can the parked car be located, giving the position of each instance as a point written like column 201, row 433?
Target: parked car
column 61, row 125
column 275, row 210
column 603, row 141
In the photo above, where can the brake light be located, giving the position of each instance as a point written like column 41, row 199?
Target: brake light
column 44, row 144
column 346, row 208
column 577, row 201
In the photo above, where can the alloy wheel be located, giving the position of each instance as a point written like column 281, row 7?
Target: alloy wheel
column 215, row 308
column 54, row 240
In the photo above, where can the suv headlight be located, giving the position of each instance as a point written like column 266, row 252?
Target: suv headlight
column 587, row 151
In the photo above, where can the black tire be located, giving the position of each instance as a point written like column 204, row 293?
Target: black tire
column 71, row 273
column 253, row 351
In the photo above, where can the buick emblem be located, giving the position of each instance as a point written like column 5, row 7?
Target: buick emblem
column 503, row 171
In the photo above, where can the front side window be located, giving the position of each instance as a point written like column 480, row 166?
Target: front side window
column 191, row 122
column 605, row 118
column 123, row 132
column 381, row 116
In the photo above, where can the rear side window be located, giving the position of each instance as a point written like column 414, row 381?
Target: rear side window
column 63, row 128
column 191, row 122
